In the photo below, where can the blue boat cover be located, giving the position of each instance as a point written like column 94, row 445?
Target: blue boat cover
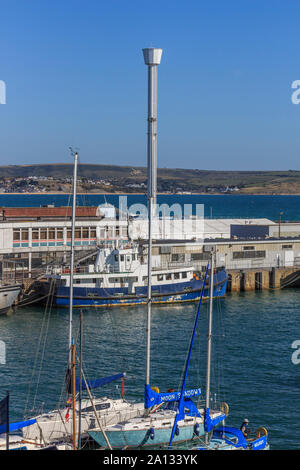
column 210, row 423
column 153, row 398
column 16, row 426
column 98, row 382
column 221, row 433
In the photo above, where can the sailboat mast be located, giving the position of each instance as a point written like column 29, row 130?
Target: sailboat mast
column 75, row 154
column 152, row 58
column 74, row 396
column 209, row 335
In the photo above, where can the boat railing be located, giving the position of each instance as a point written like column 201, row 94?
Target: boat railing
column 66, row 270
column 172, row 265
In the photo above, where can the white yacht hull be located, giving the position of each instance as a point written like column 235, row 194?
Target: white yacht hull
column 56, row 425
column 8, row 295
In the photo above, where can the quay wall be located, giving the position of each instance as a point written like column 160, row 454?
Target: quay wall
column 265, row 279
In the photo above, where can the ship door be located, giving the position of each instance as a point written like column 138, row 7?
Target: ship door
column 127, row 262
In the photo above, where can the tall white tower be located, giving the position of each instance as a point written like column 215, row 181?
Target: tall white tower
column 152, row 58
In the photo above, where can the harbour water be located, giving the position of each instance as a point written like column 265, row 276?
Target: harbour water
column 216, row 206
column 252, row 356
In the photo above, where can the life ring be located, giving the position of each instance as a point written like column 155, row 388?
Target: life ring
column 224, row 408
column 261, row 432
column 155, row 389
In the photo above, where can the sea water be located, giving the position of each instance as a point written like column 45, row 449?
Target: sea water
column 252, row 361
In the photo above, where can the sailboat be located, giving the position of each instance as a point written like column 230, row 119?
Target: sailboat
column 224, row 437
column 11, row 441
column 155, row 426
column 57, row 424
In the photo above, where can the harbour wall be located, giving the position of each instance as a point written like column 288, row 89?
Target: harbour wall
column 264, row 279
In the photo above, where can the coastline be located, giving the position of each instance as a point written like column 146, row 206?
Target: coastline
column 145, row 194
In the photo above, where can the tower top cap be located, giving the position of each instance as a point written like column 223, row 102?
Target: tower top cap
column 152, row 56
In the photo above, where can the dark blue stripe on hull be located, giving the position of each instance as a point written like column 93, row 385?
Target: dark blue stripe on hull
column 219, row 291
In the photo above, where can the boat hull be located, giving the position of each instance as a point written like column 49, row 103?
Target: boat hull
column 54, row 426
column 142, row 437
column 97, row 297
column 8, row 295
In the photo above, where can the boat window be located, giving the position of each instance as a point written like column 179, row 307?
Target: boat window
column 160, row 277
column 176, row 275
column 168, row 277
column 122, row 257
column 184, row 275
column 84, row 281
column 104, row 406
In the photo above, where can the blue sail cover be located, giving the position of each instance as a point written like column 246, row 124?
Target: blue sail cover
column 16, row 426
column 153, row 398
column 98, row 382
column 210, row 423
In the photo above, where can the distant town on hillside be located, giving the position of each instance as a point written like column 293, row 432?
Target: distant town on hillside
column 93, row 178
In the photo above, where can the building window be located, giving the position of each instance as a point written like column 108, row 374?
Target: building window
column 287, row 247
column 17, row 234
column 248, row 255
column 24, row 234
column 249, row 248
column 51, row 234
column 43, row 234
column 35, row 234
column 59, row 234
column 200, row 256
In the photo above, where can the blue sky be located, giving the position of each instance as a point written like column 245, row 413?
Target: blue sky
column 75, row 76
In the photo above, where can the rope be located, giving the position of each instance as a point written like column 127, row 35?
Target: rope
column 51, row 295
column 37, row 351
